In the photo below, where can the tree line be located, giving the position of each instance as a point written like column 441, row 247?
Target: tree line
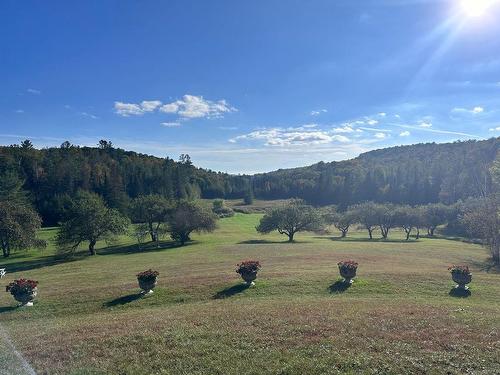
column 478, row 218
column 413, row 175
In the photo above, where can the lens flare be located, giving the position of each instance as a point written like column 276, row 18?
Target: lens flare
column 476, row 8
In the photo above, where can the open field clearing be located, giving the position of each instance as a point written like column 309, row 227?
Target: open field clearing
column 396, row 318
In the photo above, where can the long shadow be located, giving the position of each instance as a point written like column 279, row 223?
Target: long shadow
column 5, row 309
column 354, row 239
column 339, row 287
column 231, row 291
column 261, row 242
column 141, row 248
column 459, row 292
column 486, row 266
column 37, row 263
column 123, row 300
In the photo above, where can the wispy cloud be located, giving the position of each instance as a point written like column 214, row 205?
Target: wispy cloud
column 171, row 124
column 473, row 111
column 34, row 91
column 89, row 115
column 19, row 111
column 318, row 112
column 406, row 133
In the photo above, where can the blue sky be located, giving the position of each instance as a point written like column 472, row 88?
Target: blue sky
column 249, row 86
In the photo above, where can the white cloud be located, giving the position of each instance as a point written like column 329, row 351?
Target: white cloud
column 318, row 112
column 34, row 91
column 291, row 137
column 380, row 135
column 497, row 129
column 128, row 109
column 171, row 124
column 228, row 127
column 371, row 122
column 382, row 114
column 404, row 134
column 474, row 111
column 169, row 108
column 20, row 111
column 150, row 105
column 189, row 107
column 343, row 129
column 424, row 124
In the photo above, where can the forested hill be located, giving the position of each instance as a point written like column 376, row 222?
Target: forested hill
column 52, row 175
column 416, row 174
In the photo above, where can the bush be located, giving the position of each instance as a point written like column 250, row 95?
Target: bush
column 248, row 198
column 221, row 210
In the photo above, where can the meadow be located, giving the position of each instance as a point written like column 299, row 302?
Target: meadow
column 397, row 317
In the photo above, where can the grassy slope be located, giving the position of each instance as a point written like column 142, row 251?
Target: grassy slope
column 396, row 318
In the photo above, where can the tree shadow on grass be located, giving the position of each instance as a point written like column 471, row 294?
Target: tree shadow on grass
column 231, row 291
column 5, row 309
column 339, row 287
column 354, row 239
column 486, row 266
column 263, row 242
column 459, row 292
column 141, row 248
column 27, row 265
column 123, row 300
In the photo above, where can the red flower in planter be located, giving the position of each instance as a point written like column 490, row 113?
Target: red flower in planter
column 21, row 286
column 248, row 266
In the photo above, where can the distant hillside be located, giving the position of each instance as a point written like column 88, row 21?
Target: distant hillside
column 415, row 174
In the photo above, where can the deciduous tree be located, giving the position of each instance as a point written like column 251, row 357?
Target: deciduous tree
column 291, row 218
column 89, row 220
column 190, row 217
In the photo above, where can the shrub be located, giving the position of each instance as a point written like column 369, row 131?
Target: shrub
column 221, row 210
column 248, row 266
column 148, row 275
column 21, row 286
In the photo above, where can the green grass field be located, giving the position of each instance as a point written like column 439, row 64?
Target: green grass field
column 397, row 318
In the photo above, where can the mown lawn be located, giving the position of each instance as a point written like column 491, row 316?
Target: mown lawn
column 397, row 318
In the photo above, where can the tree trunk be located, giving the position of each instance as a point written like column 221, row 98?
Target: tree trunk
column 370, row 233
column 418, row 233
column 92, row 247
column 495, row 252
column 290, row 236
column 344, row 233
column 408, row 234
column 5, row 249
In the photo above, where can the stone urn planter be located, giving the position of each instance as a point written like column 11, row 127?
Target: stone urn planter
column 147, row 281
column 24, row 291
column 347, row 270
column 461, row 275
column 248, row 271
column 27, row 298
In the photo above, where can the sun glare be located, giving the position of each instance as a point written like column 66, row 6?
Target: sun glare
column 476, row 8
